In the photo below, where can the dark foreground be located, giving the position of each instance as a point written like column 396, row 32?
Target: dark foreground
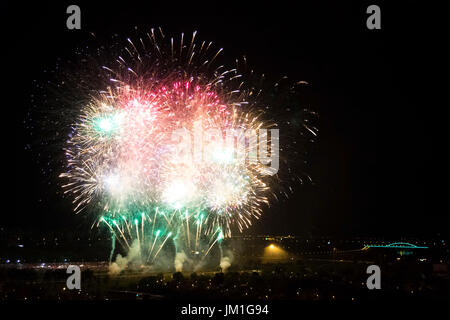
column 302, row 280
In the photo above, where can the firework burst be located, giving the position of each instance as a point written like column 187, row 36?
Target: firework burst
column 171, row 146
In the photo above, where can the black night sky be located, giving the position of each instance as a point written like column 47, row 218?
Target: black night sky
column 369, row 163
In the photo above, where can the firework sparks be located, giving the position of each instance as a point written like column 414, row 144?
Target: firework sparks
column 168, row 148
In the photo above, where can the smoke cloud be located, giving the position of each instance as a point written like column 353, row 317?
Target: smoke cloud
column 132, row 258
column 180, row 258
column 225, row 262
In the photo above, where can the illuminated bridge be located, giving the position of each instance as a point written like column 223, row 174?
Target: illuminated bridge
column 396, row 245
